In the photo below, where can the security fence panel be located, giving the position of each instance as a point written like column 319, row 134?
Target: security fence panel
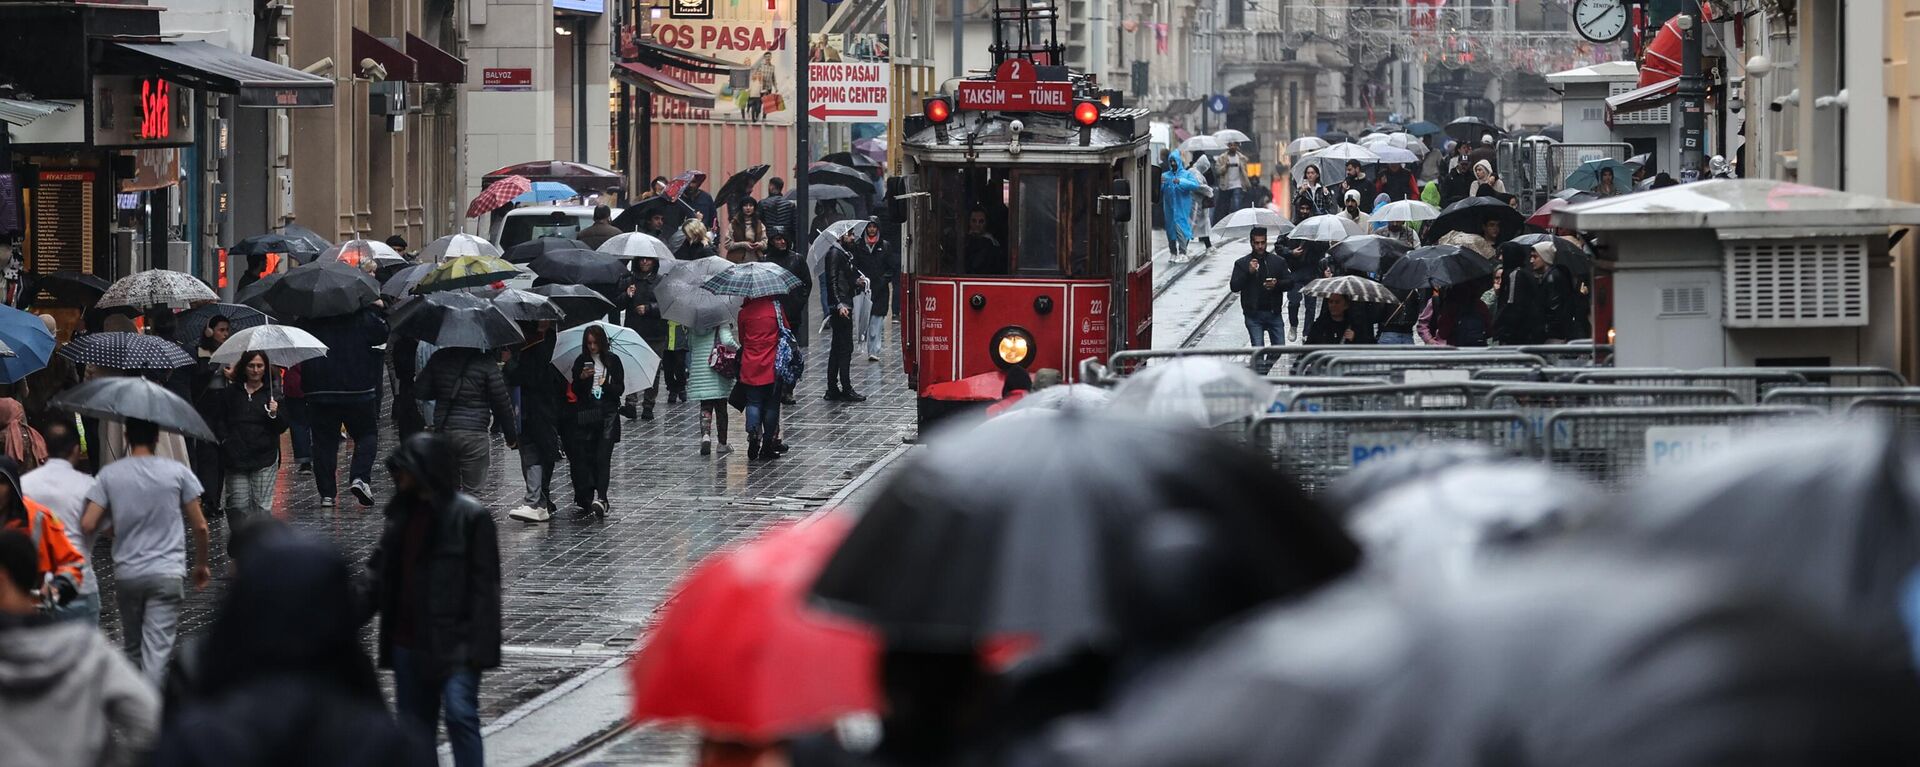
column 1427, row 368
column 1617, row 446
column 1852, row 377
column 1314, row 363
column 1749, row 383
column 1536, row 401
column 1568, row 355
column 1317, row 448
column 1903, row 412
column 1285, row 386
column 1463, row 395
column 1835, row 398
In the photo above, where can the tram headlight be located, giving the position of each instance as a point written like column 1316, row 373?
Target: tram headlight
column 938, row 110
column 1012, row 346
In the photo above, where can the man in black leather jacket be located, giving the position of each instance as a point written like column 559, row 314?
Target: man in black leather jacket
column 842, row 284
column 435, row 582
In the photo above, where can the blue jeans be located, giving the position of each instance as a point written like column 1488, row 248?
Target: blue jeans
column 1295, row 300
column 1391, row 338
column 419, row 691
column 85, row 607
column 763, row 411
column 1262, row 325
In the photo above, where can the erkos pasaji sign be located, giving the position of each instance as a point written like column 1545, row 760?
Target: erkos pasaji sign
column 1015, row 88
column 848, row 77
column 506, row 79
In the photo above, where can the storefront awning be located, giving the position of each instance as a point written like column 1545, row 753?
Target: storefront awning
column 1639, row 99
column 657, row 55
column 255, row 82
column 435, row 65
column 399, row 65
column 659, row 83
column 25, row 111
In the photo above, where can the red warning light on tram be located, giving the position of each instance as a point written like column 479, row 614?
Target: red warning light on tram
column 1086, row 113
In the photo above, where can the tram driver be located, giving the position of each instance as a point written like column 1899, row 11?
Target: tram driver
column 984, row 253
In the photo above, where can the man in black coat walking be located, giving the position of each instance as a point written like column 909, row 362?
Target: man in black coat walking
column 643, row 317
column 343, row 390
column 877, row 262
column 541, row 391
column 1262, row 280
column 794, row 304
column 842, row 285
column 435, row 583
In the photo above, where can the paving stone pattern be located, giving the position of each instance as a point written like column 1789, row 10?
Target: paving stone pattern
column 594, row 584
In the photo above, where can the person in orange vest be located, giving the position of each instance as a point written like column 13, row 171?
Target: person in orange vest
column 58, row 557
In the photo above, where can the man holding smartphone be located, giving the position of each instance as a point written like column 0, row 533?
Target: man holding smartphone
column 1262, row 280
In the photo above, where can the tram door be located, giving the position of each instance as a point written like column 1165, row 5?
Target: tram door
column 921, row 252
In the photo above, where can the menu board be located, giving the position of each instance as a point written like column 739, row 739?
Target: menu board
column 62, row 222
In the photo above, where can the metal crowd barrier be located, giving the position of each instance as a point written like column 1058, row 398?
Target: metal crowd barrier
column 1568, row 354
column 1848, row 376
column 1749, row 383
column 1317, row 448
column 1285, row 386
column 1314, row 363
column 1455, row 395
column 1551, row 396
column 1833, row 398
column 1902, row 411
column 1615, row 446
column 1425, row 368
column 1262, row 359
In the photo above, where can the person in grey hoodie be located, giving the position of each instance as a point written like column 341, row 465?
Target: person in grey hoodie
column 67, row 696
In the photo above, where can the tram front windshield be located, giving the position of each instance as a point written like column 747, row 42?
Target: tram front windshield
column 1018, row 221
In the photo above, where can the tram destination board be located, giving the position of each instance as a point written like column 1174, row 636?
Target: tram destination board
column 63, row 221
column 1015, row 87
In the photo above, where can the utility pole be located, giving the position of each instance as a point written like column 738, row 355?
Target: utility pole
column 802, row 57
column 1692, row 94
column 959, row 37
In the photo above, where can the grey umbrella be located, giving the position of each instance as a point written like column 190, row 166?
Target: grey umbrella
column 120, row 398
column 1448, row 525
column 578, row 302
column 320, row 289
column 523, row 306
column 400, row 285
column 156, row 287
column 683, row 297
column 451, row 319
column 1142, row 533
column 188, row 325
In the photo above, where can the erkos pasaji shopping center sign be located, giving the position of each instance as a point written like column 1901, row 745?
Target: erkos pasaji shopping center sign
column 1015, row 87
column 847, row 92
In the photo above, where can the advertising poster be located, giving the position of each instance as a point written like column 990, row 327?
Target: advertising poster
column 848, row 77
column 756, row 40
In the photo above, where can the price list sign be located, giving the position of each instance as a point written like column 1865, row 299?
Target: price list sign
column 63, row 221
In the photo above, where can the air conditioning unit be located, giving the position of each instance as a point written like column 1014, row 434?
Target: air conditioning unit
column 1794, row 283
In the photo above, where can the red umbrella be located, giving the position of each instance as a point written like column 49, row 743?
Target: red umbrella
column 739, row 655
column 497, row 194
column 1543, row 215
column 680, row 182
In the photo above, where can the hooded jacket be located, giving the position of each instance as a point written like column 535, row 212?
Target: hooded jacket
column 1177, row 187
column 68, row 697
column 451, row 596
column 50, row 541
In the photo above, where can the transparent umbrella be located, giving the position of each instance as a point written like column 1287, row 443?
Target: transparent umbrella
column 1201, row 391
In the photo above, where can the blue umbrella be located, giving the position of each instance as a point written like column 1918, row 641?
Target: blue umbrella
column 30, row 340
column 1423, row 129
column 546, row 191
column 1587, row 176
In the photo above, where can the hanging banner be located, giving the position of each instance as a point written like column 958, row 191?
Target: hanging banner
column 848, row 78
column 757, row 89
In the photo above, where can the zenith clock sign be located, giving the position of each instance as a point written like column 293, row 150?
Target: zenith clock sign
column 141, row 112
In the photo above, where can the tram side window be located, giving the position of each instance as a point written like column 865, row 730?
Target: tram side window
column 1039, row 239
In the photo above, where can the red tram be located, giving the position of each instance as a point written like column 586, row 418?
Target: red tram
column 1027, row 240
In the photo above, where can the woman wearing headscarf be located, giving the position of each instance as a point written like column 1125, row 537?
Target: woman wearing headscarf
column 1484, row 182
column 1379, row 201
column 18, row 440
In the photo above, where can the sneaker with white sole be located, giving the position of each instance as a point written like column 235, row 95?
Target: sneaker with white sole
column 530, row 514
column 326, row 501
column 599, row 508
column 362, row 492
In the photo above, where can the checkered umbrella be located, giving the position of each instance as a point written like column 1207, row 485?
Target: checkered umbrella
column 156, row 287
column 465, row 272
column 456, row 245
column 754, row 279
column 284, row 345
column 1356, row 288
column 497, row 194
column 125, row 351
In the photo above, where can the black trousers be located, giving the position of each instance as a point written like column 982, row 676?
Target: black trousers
column 590, row 462
column 651, row 393
column 407, row 420
column 840, row 357
column 674, row 365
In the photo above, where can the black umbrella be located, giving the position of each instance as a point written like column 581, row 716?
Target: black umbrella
column 1470, row 214
column 579, row 267
column 187, row 325
column 739, row 184
column 300, row 248
column 825, row 193
column 1469, row 129
column 309, row 236
column 320, row 289
column 1436, row 266
column 1825, row 515
column 67, row 287
column 577, row 301
column 1566, row 253
column 851, row 159
column 120, row 398
column 523, row 306
column 255, row 296
column 835, row 174
column 538, row 246
column 1142, row 532
column 400, row 284
column 125, row 351
column 671, row 211
column 1336, row 137
column 1368, row 253
column 452, row 319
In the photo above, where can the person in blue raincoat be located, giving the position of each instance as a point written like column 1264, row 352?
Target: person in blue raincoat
column 1177, row 187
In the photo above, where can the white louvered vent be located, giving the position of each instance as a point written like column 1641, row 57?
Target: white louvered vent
column 1795, row 283
column 1593, row 114
column 1683, row 300
column 1660, row 115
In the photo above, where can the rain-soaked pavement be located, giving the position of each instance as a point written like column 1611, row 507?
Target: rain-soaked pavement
column 578, row 592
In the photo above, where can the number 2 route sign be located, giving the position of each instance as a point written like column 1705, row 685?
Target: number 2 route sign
column 1015, row 87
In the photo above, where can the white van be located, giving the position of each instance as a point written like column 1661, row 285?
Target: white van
column 530, row 221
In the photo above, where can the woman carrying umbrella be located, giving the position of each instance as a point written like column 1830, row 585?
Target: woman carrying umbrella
column 1312, row 199
column 246, row 418
column 747, row 237
column 1457, row 317
column 591, row 419
column 760, row 321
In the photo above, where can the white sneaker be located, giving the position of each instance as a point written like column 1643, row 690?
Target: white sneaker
column 530, row 514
